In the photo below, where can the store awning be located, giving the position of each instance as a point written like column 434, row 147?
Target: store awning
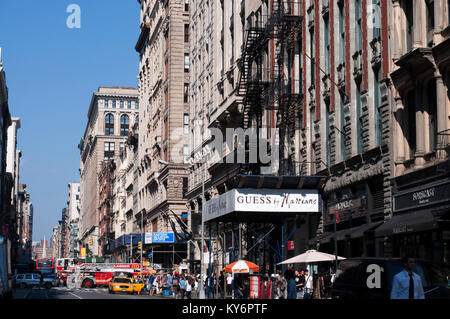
column 417, row 221
column 349, row 233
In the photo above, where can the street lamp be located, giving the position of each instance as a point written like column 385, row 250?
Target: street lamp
column 202, row 268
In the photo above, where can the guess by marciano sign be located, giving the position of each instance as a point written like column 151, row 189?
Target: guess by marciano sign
column 263, row 200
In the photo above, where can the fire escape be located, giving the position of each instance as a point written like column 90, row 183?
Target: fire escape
column 263, row 85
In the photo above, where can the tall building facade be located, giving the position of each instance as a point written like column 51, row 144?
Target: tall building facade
column 73, row 218
column 163, row 47
column 112, row 113
column 6, row 186
column 419, row 87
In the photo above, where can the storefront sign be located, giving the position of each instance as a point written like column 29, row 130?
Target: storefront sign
column 163, row 238
column 423, row 197
column 345, row 210
column 263, row 200
column 290, row 245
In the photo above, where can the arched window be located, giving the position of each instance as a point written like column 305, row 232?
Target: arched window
column 109, row 124
column 124, row 125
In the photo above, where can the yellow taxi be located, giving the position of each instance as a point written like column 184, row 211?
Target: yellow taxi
column 138, row 284
column 121, row 284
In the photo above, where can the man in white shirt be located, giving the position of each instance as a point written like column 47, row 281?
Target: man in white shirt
column 308, row 285
column 407, row 284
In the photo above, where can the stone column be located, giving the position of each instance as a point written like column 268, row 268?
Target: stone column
column 399, row 136
column 419, row 28
column 441, row 104
column 420, row 123
column 399, row 30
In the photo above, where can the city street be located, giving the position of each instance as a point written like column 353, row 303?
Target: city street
column 82, row 294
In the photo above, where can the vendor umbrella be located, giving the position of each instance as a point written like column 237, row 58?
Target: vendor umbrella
column 148, row 271
column 241, row 266
column 310, row 256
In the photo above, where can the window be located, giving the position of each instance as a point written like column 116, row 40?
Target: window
column 137, row 104
column 121, row 146
column 186, row 153
column 343, row 137
column 186, row 92
column 109, row 150
column 106, row 103
column 186, row 62
column 129, row 104
column 358, row 18
column 327, row 44
column 430, row 21
column 376, row 18
column 113, row 104
column 327, row 136
column 312, row 55
column 186, row 124
column 342, row 34
column 377, row 107
column 109, row 124
column 186, row 5
column 124, row 125
column 121, row 104
column 360, row 118
column 186, row 33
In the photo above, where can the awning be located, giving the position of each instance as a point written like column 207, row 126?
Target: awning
column 417, row 221
column 351, row 233
column 322, row 238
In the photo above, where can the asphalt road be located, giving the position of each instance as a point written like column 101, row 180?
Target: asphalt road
column 84, row 293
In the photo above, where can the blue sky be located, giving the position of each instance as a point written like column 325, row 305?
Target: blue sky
column 51, row 72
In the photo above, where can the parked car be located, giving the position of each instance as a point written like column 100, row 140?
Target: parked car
column 121, row 284
column 26, row 280
column 371, row 278
column 51, row 280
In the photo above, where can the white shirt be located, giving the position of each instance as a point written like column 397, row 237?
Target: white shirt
column 229, row 280
column 400, row 286
column 308, row 282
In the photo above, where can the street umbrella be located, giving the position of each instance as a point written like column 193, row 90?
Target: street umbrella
column 310, row 256
column 241, row 266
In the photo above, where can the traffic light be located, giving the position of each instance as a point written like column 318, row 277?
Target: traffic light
column 139, row 245
column 91, row 242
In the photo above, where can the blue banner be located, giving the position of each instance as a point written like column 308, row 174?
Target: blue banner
column 163, row 238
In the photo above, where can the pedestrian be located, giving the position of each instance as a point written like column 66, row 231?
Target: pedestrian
column 300, row 283
column 221, row 285
column 291, row 287
column 182, row 286
column 41, row 281
column 237, row 287
column 189, row 284
column 196, row 286
column 229, row 282
column 212, row 285
column 175, row 285
column 407, row 284
column 308, row 285
column 283, row 287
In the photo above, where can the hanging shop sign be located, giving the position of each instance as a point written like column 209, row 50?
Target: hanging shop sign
column 264, row 201
column 422, row 197
column 346, row 209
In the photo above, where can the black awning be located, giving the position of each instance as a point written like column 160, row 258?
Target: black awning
column 360, row 231
column 417, row 221
column 322, row 238
column 348, row 233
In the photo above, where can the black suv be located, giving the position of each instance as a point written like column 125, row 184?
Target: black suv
column 371, row 278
